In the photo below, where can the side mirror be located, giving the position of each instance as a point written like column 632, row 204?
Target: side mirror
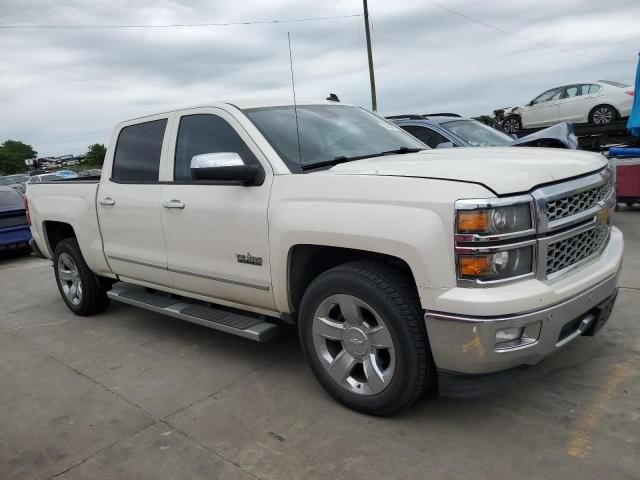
column 445, row 145
column 530, row 103
column 223, row 166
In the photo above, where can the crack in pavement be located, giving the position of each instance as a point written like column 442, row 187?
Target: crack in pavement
column 225, row 387
column 155, row 418
column 98, row 452
column 29, row 307
column 88, row 377
column 212, row 450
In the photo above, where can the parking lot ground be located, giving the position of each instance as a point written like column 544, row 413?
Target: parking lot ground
column 131, row 394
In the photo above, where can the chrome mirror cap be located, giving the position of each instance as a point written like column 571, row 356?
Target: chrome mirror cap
column 216, row 160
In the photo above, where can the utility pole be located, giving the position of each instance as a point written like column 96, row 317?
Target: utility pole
column 372, row 78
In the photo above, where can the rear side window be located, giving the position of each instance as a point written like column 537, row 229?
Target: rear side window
column 590, row 89
column 575, row 91
column 137, row 156
column 205, row 133
column 426, row 135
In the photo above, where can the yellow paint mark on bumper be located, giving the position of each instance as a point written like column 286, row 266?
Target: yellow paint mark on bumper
column 474, row 345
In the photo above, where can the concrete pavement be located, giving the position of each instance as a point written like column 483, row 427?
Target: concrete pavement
column 129, row 394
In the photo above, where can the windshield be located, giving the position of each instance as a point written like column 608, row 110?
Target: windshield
column 327, row 132
column 20, row 178
column 7, row 181
column 477, row 134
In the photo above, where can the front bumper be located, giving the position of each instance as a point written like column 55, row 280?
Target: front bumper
column 467, row 344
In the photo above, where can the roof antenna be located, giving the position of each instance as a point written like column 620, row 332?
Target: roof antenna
column 295, row 105
column 333, row 97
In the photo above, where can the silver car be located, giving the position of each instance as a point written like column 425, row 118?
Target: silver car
column 11, row 182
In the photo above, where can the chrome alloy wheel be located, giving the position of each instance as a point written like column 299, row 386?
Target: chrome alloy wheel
column 353, row 344
column 69, row 277
column 602, row 115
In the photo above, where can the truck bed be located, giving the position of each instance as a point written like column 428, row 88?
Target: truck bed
column 71, row 201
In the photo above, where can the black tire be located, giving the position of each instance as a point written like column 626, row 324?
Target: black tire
column 602, row 114
column 93, row 298
column 511, row 124
column 394, row 298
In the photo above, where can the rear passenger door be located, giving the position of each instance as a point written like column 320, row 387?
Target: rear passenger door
column 128, row 203
column 572, row 105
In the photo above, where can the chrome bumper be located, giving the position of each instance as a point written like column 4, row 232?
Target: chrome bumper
column 465, row 344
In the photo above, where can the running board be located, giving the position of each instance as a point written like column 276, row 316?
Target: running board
column 253, row 328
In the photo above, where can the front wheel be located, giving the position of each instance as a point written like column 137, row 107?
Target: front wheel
column 363, row 334
column 77, row 284
column 511, row 124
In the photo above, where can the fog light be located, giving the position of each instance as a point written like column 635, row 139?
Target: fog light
column 517, row 337
column 509, row 334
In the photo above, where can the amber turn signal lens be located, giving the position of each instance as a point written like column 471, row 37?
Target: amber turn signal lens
column 473, row 221
column 475, row 266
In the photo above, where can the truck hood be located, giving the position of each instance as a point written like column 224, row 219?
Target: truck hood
column 503, row 170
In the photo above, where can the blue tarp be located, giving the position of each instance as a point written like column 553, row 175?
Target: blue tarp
column 634, row 119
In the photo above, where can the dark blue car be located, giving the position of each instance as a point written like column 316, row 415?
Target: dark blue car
column 14, row 229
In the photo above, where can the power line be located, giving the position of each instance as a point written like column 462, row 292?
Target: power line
column 182, row 25
column 526, row 39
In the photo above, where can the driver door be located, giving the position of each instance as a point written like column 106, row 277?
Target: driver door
column 216, row 232
column 543, row 110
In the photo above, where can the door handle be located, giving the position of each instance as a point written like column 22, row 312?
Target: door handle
column 108, row 201
column 173, row 204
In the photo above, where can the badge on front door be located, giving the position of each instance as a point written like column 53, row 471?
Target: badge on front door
column 249, row 259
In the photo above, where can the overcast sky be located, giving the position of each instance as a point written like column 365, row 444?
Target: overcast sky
column 63, row 89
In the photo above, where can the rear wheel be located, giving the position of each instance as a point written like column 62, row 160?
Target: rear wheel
column 77, row 284
column 602, row 114
column 362, row 331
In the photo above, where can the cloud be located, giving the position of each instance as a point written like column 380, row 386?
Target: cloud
column 63, row 89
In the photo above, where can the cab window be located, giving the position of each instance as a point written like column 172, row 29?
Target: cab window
column 205, row 133
column 138, row 151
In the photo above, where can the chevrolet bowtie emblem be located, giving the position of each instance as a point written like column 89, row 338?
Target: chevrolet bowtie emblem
column 603, row 216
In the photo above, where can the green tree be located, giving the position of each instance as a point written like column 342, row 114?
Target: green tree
column 12, row 156
column 95, row 156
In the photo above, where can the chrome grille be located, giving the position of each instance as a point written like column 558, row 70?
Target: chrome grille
column 567, row 252
column 578, row 202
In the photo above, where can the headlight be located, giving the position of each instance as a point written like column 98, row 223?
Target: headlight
column 514, row 262
column 494, row 221
column 494, row 240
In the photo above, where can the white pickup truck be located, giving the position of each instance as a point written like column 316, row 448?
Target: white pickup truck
column 404, row 269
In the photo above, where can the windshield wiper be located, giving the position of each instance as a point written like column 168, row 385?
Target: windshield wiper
column 344, row 159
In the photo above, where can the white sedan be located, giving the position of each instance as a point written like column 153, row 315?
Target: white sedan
column 596, row 102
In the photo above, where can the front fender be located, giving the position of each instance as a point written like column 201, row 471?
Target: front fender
column 407, row 218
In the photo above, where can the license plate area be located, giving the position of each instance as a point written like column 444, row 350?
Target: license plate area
column 602, row 312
